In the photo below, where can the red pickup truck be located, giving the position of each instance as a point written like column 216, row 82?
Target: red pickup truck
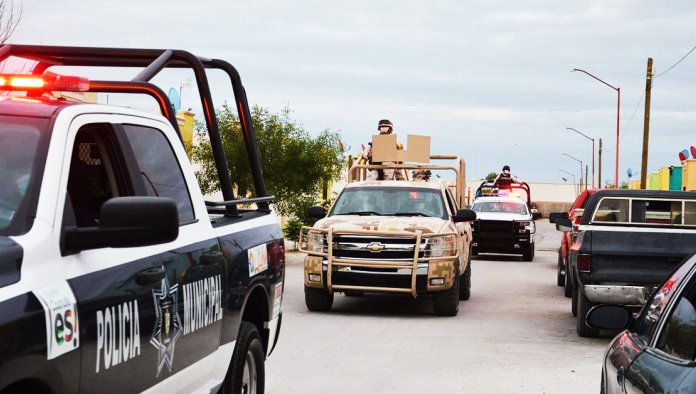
column 568, row 238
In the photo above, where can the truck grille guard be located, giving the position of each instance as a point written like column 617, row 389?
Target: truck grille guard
column 322, row 242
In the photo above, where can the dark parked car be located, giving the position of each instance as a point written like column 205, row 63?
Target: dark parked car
column 655, row 354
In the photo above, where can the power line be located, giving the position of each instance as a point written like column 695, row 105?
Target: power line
column 675, row 64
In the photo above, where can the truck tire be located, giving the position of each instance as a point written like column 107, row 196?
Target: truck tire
column 567, row 285
column 574, row 301
column 446, row 302
column 560, row 277
column 246, row 373
column 465, row 282
column 584, row 306
column 318, row 300
column 528, row 253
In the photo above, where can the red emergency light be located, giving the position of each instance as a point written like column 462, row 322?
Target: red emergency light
column 46, row 82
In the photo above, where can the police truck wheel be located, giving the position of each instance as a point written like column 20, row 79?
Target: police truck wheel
column 246, row 373
column 465, row 282
column 560, row 278
column 584, row 306
column 318, row 300
column 446, row 303
column 528, row 253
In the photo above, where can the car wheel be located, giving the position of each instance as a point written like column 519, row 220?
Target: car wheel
column 318, row 300
column 528, row 253
column 560, row 278
column 574, row 302
column 446, row 303
column 246, row 373
column 584, row 306
column 465, row 282
column 568, row 285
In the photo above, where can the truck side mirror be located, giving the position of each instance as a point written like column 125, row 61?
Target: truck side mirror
column 564, row 225
column 464, row 215
column 536, row 215
column 554, row 216
column 126, row 222
column 316, row 212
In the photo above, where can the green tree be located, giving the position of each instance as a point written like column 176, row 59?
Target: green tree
column 491, row 176
column 295, row 165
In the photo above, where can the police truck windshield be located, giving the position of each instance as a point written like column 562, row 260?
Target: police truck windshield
column 390, row 201
column 22, row 154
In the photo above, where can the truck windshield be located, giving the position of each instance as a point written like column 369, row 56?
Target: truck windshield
column 500, row 206
column 23, row 146
column 390, row 201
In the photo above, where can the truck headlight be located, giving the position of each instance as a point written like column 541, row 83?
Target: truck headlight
column 316, row 242
column 441, row 246
column 527, row 227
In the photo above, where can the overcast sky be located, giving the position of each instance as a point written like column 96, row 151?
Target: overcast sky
column 489, row 80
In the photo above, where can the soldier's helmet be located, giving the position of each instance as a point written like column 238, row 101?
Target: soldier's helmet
column 385, row 123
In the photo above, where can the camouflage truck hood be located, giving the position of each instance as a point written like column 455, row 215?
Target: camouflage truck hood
column 383, row 223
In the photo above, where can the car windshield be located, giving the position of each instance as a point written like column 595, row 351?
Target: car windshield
column 500, row 206
column 22, row 154
column 390, row 201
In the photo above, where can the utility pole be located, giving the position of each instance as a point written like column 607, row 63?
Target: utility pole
column 646, row 125
column 586, row 176
column 599, row 180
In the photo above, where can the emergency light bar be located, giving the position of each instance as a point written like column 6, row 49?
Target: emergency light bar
column 46, row 82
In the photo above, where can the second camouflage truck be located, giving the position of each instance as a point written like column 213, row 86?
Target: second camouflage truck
column 406, row 236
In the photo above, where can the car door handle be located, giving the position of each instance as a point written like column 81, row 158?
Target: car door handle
column 150, row 276
column 211, row 258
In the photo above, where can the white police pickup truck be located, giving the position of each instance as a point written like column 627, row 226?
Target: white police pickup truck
column 115, row 274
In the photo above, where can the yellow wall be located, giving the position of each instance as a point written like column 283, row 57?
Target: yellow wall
column 689, row 175
column 664, row 178
column 185, row 120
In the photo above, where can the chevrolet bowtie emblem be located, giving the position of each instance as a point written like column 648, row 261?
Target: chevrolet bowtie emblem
column 375, row 247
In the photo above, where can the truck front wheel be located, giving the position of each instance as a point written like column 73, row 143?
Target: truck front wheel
column 318, row 300
column 446, row 303
column 465, row 282
column 560, row 277
column 528, row 253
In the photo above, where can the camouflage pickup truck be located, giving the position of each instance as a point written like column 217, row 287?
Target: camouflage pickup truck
column 405, row 236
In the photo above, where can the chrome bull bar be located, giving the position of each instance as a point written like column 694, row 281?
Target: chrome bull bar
column 320, row 242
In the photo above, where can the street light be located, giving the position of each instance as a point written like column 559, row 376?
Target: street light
column 580, row 161
column 571, row 174
column 591, row 139
column 618, row 113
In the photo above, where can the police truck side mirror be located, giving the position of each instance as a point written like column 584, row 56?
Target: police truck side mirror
column 316, row 212
column 554, row 216
column 564, row 225
column 464, row 215
column 536, row 215
column 127, row 222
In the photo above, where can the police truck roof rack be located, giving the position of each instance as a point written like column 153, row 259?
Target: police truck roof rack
column 487, row 188
column 154, row 61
